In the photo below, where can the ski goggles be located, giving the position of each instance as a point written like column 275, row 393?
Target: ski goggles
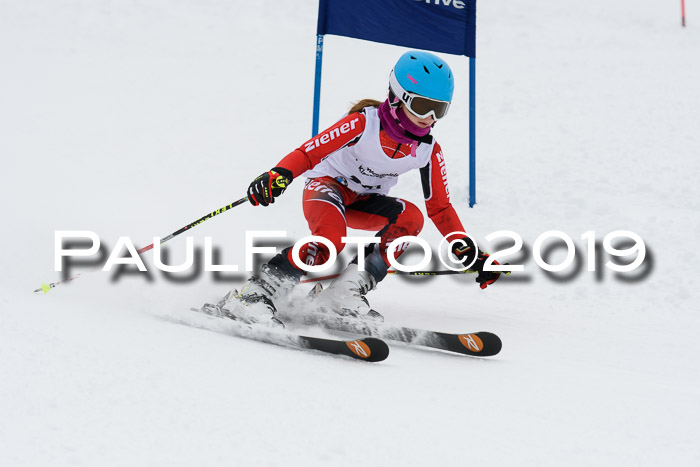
column 423, row 106
column 418, row 105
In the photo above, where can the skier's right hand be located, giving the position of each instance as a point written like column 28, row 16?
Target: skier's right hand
column 268, row 186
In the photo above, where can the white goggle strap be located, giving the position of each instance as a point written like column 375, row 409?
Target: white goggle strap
column 401, row 94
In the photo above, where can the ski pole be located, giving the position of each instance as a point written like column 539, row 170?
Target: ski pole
column 46, row 287
column 196, row 223
column 402, row 273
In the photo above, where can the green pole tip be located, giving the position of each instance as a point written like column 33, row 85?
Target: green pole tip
column 45, row 288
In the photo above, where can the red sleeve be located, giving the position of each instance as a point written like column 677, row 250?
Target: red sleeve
column 437, row 195
column 343, row 133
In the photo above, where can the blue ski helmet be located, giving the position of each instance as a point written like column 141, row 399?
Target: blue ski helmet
column 424, row 74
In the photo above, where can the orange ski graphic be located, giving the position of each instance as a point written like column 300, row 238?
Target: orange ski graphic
column 359, row 348
column 471, row 342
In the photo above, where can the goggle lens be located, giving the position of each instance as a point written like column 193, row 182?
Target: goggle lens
column 422, row 107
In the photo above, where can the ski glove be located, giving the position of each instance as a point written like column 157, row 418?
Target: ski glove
column 465, row 251
column 268, row 186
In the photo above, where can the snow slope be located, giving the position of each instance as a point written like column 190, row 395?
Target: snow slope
column 136, row 118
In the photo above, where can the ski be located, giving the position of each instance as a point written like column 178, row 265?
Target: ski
column 368, row 349
column 475, row 344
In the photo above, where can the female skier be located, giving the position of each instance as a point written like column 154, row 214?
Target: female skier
column 350, row 168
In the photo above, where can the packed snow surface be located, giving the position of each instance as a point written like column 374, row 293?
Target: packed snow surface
column 133, row 119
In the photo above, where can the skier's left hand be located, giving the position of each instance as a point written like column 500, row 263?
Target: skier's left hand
column 485, row 278
column 465, row 250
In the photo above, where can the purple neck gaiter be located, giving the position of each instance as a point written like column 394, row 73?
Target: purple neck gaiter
column 396, row 124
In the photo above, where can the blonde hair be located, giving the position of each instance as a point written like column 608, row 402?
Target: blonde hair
column 359, row 105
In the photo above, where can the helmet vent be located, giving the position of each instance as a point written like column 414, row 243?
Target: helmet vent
column 426, row 69
column 439, row 65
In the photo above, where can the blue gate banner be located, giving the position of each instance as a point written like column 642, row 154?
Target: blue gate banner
column 447, row 26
